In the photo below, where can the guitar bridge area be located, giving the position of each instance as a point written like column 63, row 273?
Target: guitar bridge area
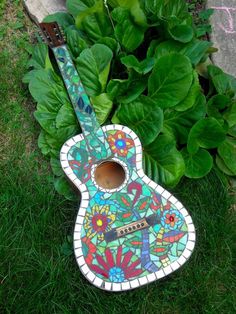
column 132, row 227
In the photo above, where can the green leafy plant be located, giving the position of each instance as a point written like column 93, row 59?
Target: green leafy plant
column 143, row 65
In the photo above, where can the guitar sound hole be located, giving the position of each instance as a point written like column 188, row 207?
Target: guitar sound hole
column 109, row 175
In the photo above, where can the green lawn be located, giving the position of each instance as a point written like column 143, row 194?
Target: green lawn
column 38, row 272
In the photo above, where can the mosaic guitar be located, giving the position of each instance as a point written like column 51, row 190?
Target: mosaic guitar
column 129, row 231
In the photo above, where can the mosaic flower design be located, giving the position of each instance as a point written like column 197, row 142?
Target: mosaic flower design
column 171, row 220
column 88, row 249
column 99, row 221
column 118, row 268
column 120, row 144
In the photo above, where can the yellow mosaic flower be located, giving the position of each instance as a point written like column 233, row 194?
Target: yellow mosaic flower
column 98, row 221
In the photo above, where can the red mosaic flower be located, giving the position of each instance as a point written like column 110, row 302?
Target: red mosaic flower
column 116, row 269
column 98, row 221
column 171, row 219
column 88, row 250
column 119, row 143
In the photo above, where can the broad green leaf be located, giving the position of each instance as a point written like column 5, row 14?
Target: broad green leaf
column 191, row 98
column 40, row 59
column 29, row 76
column 143, row 116
column 197, row 165
column 75, row 41
column 230, row 114
column 63, row 187
column 227, row 152
column 167, row 9
column 214, row 70
column 93, row 20
column 66, row 123
column 62, row 18
column 170, row 80
column 56, row 166
column 102, row 105
column 167, row 47
column 222, row 166
column 46, row 119
column 48, row 145
column 163, row 162
column 63, row 134
column 178, row 124
column 75, row 7
column 182, row 33
column 223, row 83
column 216, row 105
column 142, row 67
column 93, row 66
column 126, row 28
column 55, row 143
column 152, row 48
column 206, row 133
column 42, row 143
column 126, row 91
column 194, row 50
column 117, row 87
column 43, row 88
column 134, row 7
column 232, row 131
column 109, row 42
column 66, row 116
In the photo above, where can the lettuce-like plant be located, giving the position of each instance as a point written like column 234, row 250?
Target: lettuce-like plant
column 143, row 65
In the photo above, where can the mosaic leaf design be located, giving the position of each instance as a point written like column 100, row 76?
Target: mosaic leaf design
column 173, row 236
column 124, row 200
column 160, row 250
column 135, row 242
column 143, row 204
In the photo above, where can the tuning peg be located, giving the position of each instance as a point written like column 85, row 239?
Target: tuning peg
column 41, row 36
column 62, row 31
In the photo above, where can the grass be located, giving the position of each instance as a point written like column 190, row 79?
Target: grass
column 38, row 272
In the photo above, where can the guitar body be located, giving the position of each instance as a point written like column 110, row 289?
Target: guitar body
column 139, row 256
column 129, row 231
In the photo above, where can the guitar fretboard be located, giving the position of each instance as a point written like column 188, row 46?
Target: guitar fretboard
column 94, row 136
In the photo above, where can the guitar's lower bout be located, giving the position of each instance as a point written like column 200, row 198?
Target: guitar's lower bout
column 130, row 235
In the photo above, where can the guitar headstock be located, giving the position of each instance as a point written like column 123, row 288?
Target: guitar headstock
column 51, row 34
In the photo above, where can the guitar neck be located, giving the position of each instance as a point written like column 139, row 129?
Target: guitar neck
column 93, row 134
column 77, row 94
